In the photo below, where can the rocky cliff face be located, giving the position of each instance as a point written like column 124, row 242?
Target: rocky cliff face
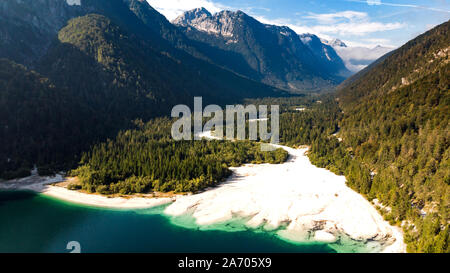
column 224, row 23
column 195, row 16
column 28, row 27
column 272, row 54
column 326, row 54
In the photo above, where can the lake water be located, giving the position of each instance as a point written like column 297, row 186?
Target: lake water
column 32, row 222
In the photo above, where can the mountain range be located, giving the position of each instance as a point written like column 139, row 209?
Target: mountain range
column 357, row 58
column 274, row 55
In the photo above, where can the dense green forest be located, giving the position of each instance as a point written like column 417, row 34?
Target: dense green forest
column 396, row 127
column 394, row 148
column 304, row 119
column 88, row 77
column 393, row 144
column 39, row 123
column 399, row 153
column 146, row 159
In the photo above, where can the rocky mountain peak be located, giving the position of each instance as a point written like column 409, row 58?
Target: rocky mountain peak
column 221, row 23
column 229, row 13
column 283, row 30
column 192, row 17
column 310, row 39
column 337, row 43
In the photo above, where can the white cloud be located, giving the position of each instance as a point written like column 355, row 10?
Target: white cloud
column 374, row 2
column 347, row 23
column 330, row 18
column 377, row 41
column 252, row 9
column 332, row 25
column 356, row 28
column 379, row 2
column 298, row 28
column 174, row 8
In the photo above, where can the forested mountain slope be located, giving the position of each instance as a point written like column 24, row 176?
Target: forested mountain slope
column 27, row 27
column 39, row 122
column 106, row 67
column 397, row 126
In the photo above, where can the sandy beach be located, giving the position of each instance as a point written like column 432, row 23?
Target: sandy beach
column 298, row 200
column 312, row 204
column 44, row 185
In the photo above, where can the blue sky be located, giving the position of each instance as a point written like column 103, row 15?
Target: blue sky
column 356, row 22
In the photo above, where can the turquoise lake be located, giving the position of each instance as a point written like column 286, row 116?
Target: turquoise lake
column 32, row 222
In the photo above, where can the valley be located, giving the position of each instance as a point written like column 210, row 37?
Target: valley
column 86, row 92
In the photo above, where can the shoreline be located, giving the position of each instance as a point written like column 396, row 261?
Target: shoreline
column 303, row 202
column 313, row 203
column 45, row 186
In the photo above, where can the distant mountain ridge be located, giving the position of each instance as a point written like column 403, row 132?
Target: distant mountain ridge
column 328, row 57
column 357, row 58
column 274, row 55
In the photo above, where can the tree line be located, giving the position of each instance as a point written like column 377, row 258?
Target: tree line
column 146, row 160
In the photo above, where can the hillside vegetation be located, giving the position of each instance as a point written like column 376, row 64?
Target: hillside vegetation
column 397, row 127
column 93, row 79
column 147, row 159
column 39, row 123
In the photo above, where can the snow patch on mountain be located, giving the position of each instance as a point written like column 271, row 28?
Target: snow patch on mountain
column 74, row 2
column 326, row 54
column 306, row 40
